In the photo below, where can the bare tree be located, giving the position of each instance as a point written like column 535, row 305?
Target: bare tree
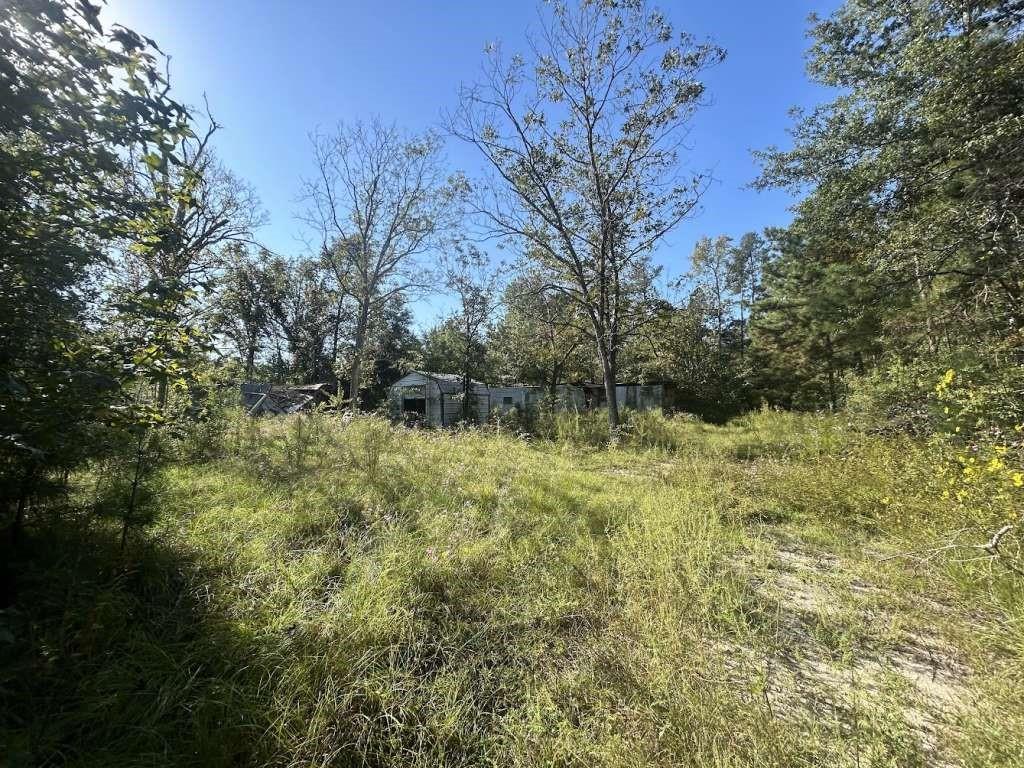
column 203, row 208
column 584, row 141
column 379, row 199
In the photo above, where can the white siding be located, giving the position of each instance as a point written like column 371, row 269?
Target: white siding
column 516, row 395
column 444, row 397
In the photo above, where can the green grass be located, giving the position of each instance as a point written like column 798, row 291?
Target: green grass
column 350, row 593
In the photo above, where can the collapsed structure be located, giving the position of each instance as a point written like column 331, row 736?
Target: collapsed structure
column 438, row 399
column 260, row 399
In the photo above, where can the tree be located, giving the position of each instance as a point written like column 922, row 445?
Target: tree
column 444, row 350
column 916, row 165
column 681, row 346
column 584, row 143
column 77, row 100
column 814, row 322
column 378, row 203
column 202, row 209
column 541, row 339
column 743, row 278
column 710, row 269
column 242, row 305
column 392, row 349
column 205, row 208
column 300, row 302
column 473, row 281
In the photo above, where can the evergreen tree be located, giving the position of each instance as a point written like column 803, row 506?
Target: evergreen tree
column 814, row 323
column 916, row 165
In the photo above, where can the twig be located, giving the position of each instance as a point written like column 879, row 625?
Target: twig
column 990, row 548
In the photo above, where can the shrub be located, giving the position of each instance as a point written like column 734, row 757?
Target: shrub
column 365, row 440
column 901, row 397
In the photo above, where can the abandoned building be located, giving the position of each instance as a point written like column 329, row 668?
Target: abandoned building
column 437, row 398
column 271, row 399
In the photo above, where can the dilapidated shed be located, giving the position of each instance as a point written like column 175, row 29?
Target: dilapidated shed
column 589, row 395
column 437, row 398
column 636, row 397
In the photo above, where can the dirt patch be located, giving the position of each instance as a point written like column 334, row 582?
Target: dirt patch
column 821, row 664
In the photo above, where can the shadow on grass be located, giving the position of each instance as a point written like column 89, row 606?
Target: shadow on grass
column 111, row 659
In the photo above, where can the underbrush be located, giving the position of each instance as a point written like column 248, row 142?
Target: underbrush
column 337, row 591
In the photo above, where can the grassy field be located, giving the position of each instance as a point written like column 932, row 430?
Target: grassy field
column 767, row 593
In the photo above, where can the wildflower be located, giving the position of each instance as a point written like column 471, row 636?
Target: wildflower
column 1018, row 479
column 994, row 465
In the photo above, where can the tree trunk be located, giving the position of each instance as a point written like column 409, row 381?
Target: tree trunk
column 929, row 331
column 608, row 368
column 358, row 342
column 467, row 354
column 831, row 375
column 161, row 394
column 133, row 497
column 334, row 351
column 27, row 486
column 743, row 327
column 354, row 379
column 250, row 361
column 465, row 396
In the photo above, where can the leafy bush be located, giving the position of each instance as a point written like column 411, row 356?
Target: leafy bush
column 901, row 397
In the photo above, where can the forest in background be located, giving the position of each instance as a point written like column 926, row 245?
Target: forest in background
column 816, row 561
column 136, row 294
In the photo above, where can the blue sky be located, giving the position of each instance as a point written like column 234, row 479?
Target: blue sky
column 274, row 71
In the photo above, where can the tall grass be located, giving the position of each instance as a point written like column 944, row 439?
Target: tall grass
column 349, row 592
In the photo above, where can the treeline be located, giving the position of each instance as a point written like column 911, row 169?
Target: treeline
column 135, row 292
column 906, row 257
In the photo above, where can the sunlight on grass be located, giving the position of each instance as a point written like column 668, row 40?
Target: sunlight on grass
column 349, row 592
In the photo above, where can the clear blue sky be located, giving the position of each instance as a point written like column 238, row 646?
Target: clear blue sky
column 275, row 70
